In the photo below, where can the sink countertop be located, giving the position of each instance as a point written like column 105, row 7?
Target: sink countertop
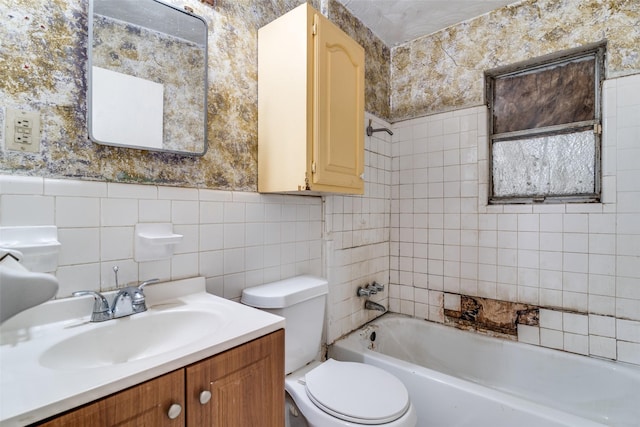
column 31, row 391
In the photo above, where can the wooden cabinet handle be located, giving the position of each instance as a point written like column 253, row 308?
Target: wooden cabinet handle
column 174, row 411
column 205, row 397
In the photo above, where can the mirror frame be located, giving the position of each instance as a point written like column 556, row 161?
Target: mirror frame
column 89, row 74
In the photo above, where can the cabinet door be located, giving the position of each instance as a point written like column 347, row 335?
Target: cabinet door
column 146, row 404
column 246, row 386
column 339, row 116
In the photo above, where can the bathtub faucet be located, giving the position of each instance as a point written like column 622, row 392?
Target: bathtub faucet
column 370, row 305
column 370, row 289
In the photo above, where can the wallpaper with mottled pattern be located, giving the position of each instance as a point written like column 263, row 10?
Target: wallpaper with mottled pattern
column 43, row 64
column 445, row 70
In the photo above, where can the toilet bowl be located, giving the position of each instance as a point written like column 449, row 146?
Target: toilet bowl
column 330, row 393
column 367, row 396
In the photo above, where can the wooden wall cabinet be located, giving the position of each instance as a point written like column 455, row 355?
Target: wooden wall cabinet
column 310, row 106
column 243, row 386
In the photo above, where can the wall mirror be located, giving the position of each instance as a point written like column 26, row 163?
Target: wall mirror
column 147, row 76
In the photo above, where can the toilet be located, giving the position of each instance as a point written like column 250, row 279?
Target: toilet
column 331, row 393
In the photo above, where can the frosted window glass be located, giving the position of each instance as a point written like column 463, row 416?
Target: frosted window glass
column 553, row 165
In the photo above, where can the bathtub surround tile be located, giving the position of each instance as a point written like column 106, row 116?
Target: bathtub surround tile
column 576, row 262
column 551, row 319
column 628, row 352
column 528, row 334
column 575, row 343
column 550, row 298
column 628, row 308
column 356, row 234
column 603, row 347
column 452, row 302
column 628, row 330
column 575, row 323
column 603, row 326
column 551, row 338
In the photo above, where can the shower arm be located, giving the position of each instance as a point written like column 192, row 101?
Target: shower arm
column 371, row 130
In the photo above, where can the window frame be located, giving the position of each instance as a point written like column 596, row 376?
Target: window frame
column 598, row 51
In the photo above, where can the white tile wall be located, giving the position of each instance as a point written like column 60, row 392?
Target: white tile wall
column 357, row 240
column 423, row 226
column 582, row 261
column 233, row 239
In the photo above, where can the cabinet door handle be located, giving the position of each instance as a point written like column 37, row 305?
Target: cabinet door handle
column 205, row 397
column 174, row 411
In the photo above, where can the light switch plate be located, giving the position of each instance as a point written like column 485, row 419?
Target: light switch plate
column 22, row 130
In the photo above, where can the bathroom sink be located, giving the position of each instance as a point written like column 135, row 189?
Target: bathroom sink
column 130, row 339
column 55, row 349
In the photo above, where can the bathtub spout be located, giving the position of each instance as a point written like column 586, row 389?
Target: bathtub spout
column 370, row 305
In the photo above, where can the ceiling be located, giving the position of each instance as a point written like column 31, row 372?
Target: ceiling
column 398, row 21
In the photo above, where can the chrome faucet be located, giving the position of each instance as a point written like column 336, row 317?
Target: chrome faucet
column 377, row 286
column 101, row 310
column 367, row 291
column 128, row 301
column 370, row 289
column 370, row 305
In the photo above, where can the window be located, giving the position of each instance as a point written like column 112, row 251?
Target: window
column 545, row 129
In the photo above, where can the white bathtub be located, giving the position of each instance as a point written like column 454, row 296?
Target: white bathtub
column 459, row 378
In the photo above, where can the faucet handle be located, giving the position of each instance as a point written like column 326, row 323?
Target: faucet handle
column 147, row 282
column 138, row 299
column 364, row 292
column 101, row 310
column 377, row 286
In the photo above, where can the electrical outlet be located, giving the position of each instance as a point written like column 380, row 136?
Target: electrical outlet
column 22, row 130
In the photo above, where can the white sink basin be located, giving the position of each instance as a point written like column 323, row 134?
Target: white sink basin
column 131, row 338
column 53, row 359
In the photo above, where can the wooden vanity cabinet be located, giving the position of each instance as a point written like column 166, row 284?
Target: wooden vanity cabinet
column 146, row 404
column 246, row 385
column 310, row 106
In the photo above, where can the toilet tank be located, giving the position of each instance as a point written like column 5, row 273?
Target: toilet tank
column 301, row 301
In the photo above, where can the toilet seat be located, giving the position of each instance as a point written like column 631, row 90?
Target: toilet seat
column 356, row 392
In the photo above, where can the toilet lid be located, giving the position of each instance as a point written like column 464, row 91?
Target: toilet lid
column 357, row 392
